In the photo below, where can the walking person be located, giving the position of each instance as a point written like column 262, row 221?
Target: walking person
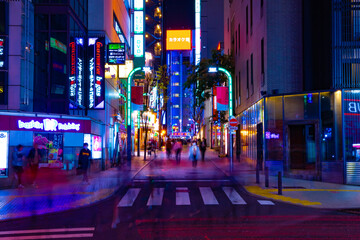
column 203, row 149
column 17, row 162
column 177, row 149
column 34, row 157
column 168, row 147
column 194, row 154
column 84, row 159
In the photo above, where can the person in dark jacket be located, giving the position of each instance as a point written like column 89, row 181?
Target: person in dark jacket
column 17, row 163
column 84, row 161
column 203, row 149
column 34, row 158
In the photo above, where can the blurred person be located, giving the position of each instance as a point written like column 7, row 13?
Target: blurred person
column 177, row 149
column 194, row 154
column 34, row 157
column 17, row 163
column 203, row 149
column 84, row 159
column 168, row 146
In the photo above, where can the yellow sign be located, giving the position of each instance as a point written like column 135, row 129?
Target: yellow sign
column 178, row 40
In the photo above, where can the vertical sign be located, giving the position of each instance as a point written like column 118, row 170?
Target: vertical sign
column 139, row 45
column 76, row 73
column 2, row 52
column 222, row 98
column 4, row 150
column 139, row 4
column 96, row 73
column 137, row 98
column 138, row 21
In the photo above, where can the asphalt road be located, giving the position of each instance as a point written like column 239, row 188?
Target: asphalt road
column 169, row 201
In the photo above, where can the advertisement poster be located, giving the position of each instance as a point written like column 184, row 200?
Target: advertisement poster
column 222, row 98
column 116, row 53
column 137, row 98
column 52, row 145
column 96, row 147
column 4, row 152
column 96, row 73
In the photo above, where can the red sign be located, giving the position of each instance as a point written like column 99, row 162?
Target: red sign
column 233, row 122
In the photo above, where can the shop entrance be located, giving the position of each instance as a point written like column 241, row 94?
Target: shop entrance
column 302, row 150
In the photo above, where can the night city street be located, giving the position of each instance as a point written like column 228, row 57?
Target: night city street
column 179, row 119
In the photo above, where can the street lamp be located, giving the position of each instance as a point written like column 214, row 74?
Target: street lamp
column 129, row 81
column 231, row 111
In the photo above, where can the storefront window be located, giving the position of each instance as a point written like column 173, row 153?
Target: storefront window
column 51, row 145
column 352, row 125
column 303, row 106
column 274, row 130
column 328, row 148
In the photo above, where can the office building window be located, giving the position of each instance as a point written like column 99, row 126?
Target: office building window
column 239, row 89
column 236, row 49
column 247, row 23
column 262, row 63
column 176, row 84
column 251, row 16
column 239, row 37
column 252, row 73
column 247, row 79
column 228, row 23
column 176, row 95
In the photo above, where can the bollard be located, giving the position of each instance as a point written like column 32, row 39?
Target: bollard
column 257, row 174
column 266, row 177
column 279, row 184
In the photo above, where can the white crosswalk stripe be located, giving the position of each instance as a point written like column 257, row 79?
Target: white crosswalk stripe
column 156, row 197
column 182, row 197
column 266, row 202
column 233, row 196
column 70, row 233
column 208, row 196
column 129, row 198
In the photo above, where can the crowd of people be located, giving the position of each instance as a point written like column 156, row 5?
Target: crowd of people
column 196, row 151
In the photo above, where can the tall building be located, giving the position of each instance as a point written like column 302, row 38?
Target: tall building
column 292, row 68
column 54, row 85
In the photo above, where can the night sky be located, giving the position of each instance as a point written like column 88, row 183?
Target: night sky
column 179, row 14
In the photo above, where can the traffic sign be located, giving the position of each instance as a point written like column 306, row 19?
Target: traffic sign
column 233, row 122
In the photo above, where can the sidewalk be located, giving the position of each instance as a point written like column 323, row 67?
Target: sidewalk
column 55, row 196
column 295, row 191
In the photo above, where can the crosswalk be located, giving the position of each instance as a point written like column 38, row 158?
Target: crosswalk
column 182, row 197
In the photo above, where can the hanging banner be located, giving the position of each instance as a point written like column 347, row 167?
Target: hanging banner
column 137, row 99
column 96, row 79
column 222, row 98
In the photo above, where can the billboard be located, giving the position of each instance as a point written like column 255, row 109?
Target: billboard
column 178, row 40
column 116, row 53
column 96, row 79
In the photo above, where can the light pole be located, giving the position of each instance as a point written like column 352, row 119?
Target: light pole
column 129, row 81
column 228, row 75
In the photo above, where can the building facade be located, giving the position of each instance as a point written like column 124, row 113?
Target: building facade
column 295, row 86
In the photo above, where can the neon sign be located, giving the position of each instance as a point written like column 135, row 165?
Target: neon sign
column 138, row 21
column 139, row 4
column 269, row 135
column 4, row 148
column 96, row 73
column 48, row 125
column 2, row 52
column 72, row 70
column 139, row 45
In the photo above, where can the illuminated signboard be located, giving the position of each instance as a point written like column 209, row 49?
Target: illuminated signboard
column 116, row 53
column 139, row 4
column 124, row 70
column 96, row 73
column 47, row 124
column 76, row 74
column 269, row 135
column 139, row 45
column 96, row 147
column 138, row 21
column 4, row 152
column 2, row 53
column 58, row 45
column 178, row 40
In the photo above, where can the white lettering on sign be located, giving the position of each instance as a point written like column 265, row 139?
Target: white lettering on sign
column 72, row 86
column 354, row 107
column 79, row 81
column 48, row 125
column 98, row 86
column 92, row 83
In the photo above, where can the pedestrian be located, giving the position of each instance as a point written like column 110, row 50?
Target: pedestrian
column 34, row 157
column 203, row 149
column 17, row 163
column 84, row 159
column 177, row 149
column 194, row 154
column 168, row 147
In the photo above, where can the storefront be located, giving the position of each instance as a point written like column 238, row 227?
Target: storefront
column 60, row 138
column 304, row 135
